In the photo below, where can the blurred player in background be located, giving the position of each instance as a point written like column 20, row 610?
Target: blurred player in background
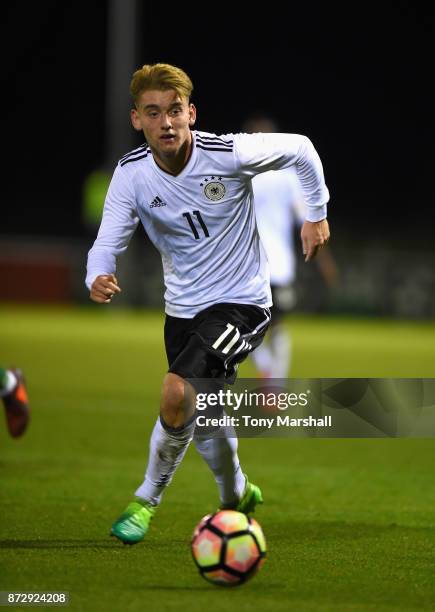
column 192, row 193
column 14, row 395
column 279, row 208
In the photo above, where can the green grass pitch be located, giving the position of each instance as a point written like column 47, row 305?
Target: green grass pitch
column 350, row 524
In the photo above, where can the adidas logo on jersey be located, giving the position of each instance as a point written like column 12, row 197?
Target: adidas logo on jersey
column 157, row 202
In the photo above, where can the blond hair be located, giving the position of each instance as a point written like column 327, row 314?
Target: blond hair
column 161, row 77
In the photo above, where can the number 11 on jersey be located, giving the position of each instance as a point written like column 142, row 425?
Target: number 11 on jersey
column 192, row 224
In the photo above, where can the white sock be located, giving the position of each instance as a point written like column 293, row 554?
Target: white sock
column 220, row 454
column 167, row 449
column 280, row 344
column 9, row 384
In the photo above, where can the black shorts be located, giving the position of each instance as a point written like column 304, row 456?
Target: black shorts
column 215, row 341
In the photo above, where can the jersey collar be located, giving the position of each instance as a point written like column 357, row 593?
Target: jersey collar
column 187, row 167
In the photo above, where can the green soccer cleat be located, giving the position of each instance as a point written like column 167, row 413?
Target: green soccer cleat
column 134, row 522
column 251, row 497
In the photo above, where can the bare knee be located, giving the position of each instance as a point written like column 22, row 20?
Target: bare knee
column 176, row 405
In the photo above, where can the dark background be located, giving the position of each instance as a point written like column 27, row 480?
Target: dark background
column 355, row 79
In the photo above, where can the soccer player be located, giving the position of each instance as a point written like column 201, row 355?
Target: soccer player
column 192, row 192
column 14, row 395
column 279, row 208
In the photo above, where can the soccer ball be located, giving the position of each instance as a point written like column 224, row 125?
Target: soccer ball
column 228, row 547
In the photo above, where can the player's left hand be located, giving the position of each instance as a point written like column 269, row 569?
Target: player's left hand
column 104, row 287
column 314, row 236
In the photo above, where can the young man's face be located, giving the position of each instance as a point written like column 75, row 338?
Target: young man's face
column 165, row 119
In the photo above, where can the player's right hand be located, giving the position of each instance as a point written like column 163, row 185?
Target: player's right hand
column 104, row 288
column 314, row 235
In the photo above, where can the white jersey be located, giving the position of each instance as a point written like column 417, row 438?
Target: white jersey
column 202, row 220
column 279, row 206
